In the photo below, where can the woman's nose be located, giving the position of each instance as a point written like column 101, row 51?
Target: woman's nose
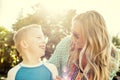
column 73, row 39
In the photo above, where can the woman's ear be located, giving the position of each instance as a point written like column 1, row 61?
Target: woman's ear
column 23, row 44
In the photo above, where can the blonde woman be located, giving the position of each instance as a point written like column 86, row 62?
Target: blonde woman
column 88, row 52
column 91, row 57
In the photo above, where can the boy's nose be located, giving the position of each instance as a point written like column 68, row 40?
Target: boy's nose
column 44, row 40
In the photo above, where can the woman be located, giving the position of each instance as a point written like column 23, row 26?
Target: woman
column 89, row 57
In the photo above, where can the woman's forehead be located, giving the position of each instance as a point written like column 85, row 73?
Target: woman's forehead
column 77, row 26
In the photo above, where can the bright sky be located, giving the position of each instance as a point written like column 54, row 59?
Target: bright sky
column 10, row 9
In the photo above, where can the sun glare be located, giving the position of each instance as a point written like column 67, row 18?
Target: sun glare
column 11, row 9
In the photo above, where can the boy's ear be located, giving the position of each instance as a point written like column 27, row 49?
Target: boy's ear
column 24, row 44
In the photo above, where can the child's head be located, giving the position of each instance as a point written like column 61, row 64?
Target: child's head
column 30, row 41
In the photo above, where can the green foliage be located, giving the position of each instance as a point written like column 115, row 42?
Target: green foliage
column 54, row 27
column 7, row 50
column 116, row 41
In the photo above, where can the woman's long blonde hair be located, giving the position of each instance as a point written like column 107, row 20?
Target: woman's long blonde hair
column 97, row 47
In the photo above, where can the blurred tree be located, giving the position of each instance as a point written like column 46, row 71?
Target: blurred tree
column 55, row 27
column 116, row 41
column 7, row 60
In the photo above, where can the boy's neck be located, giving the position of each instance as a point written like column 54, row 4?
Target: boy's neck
column 31, row 62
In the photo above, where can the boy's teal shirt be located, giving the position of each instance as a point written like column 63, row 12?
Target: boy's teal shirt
column 34, row 73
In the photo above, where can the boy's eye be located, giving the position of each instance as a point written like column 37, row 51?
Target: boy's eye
column 38, row 37
column 43, row 38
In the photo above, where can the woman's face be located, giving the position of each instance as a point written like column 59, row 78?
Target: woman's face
column 78, row 38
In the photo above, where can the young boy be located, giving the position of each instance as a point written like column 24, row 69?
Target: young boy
column 30, row 43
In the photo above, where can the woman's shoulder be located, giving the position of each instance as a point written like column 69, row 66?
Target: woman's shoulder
column 66, row 39
column 64, row 42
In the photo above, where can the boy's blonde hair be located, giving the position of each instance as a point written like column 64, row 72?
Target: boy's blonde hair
column 22, row 33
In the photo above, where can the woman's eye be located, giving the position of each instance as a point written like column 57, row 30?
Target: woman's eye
column 76, row 36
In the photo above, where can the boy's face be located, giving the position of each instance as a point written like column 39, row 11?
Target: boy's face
column 36, row 42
